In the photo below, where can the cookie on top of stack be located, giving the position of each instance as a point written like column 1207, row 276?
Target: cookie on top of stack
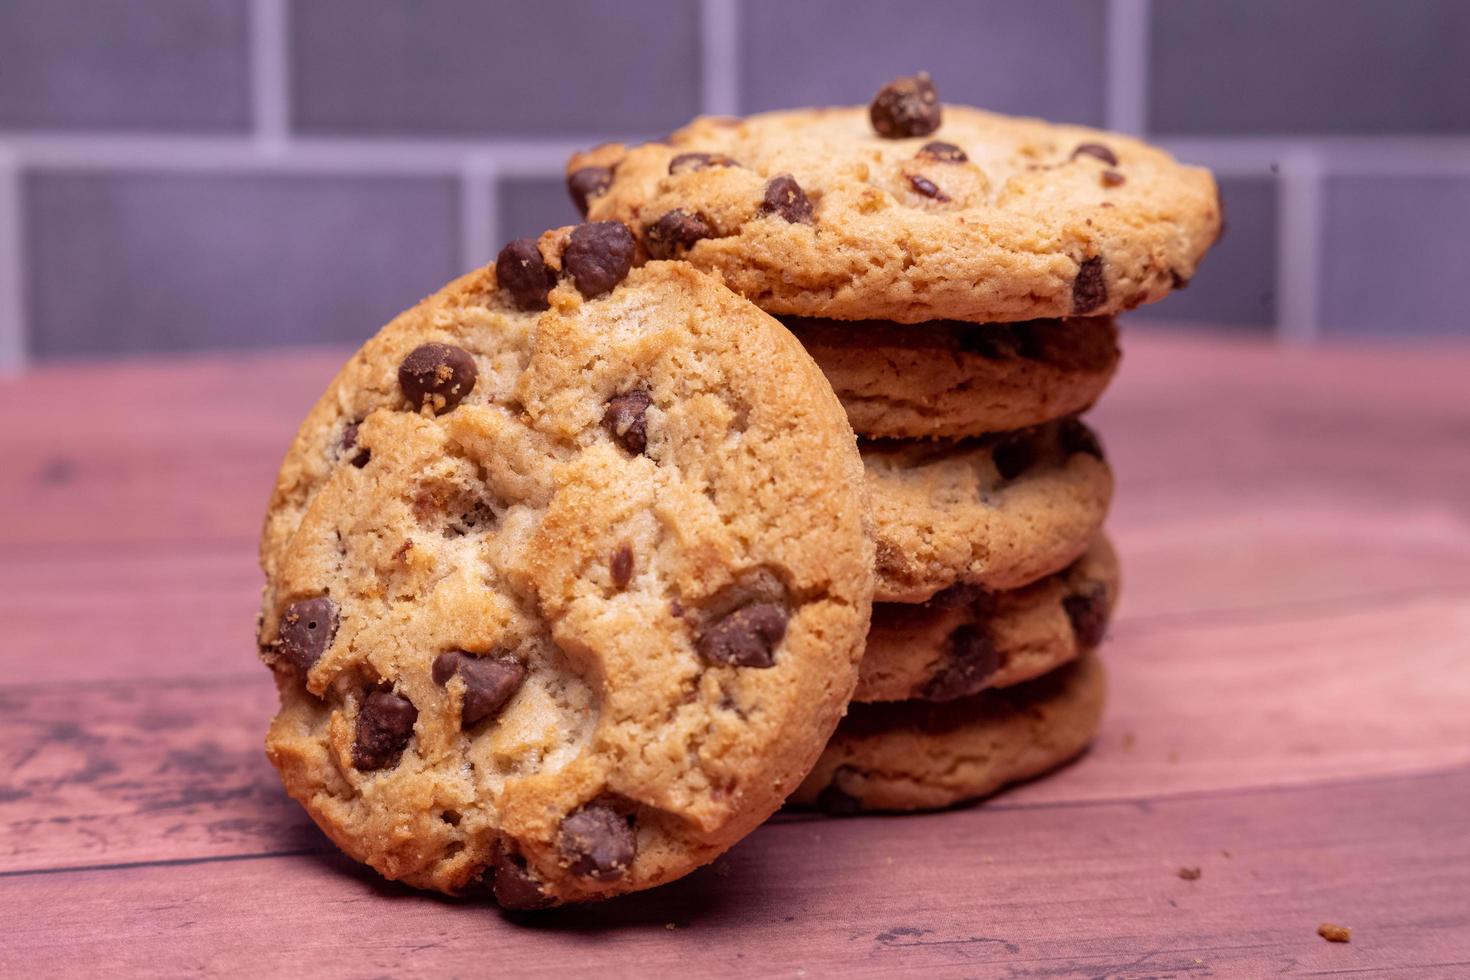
column 956, row 274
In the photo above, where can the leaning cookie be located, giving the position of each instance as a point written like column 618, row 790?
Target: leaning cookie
column 949, row 379
column 917, row 755
column 998, row 512
column 965, row 640
column 909, row 210
column 567, row 579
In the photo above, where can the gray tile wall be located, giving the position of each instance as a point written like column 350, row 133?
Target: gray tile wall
column 527, row 206
column 1424, row 223
column 1309, row 66
column 126, row 263
column 434, row 68
column 1236, row 286
column 1039, row 58
column 190, row 174
column 174, row 65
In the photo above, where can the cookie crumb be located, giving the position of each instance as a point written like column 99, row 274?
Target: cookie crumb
column 1189, row 874
column 670, row 926
column 1335, row 934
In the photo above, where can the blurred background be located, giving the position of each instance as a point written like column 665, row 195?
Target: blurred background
column 182, row 175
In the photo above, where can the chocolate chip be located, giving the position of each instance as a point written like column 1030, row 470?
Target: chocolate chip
column 522, row 272
column 1111, row 178
column 1177, row 281
column 993, row 341
column 1090, row 288
column 941, row 152
column 784, row 198
column 675, row 232
column 489, row 682
column 955, row 596
column 905, row 107
column 973, row 660
column 1103, row 153
column 598, row 256
column 890, row 559
column 622, row 565
column 587, row 183
column 1078, row 438
column 927, row 187
column 307, row 628
column 626, row 420
column 384, row 726
column 689, row 162
column 597, row 842
column 835, row 801
column 437, row 375
column 1087, row 610
column 349, row 439
column 746, row 637
column 515, row 887
column 1031, row 339
column 1015, row 453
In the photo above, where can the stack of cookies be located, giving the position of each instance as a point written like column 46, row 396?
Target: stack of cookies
column 575, row 567
column 955, row 275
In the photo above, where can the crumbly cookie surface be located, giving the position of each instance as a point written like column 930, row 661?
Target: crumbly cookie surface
column 917, row 755
column 567, row 579
column 949, row 379
column 986, row 218
column 998, row 512
column 965, row 640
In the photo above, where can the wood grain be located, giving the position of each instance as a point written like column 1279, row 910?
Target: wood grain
column 1288, row 673
column 156, row 769
column 1085, row 890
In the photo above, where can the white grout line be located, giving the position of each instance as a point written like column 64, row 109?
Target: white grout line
column 1127, row 65
column 389, row 157
column 1298, row 247
column 479, row 213
column 1387, row 156
column 269, row 82
column 12, row 269
column 1242, row 156
column 719, row 57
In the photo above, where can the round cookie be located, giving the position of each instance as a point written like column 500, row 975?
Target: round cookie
column 949, row 379
column 984, row 218
column 998, row 512
column 918, row 755
column 567, row 579
column 965, row 640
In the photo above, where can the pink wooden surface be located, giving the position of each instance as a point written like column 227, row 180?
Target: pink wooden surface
column 1290, row 712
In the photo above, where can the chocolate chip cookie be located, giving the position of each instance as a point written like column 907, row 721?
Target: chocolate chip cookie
column 964, row 639
column 998, row 512
column 910, row 210
column 567, row 578
column 918, row 755
column 949, row 379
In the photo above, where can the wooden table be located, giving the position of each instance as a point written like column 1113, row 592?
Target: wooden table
column 1290, row 713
